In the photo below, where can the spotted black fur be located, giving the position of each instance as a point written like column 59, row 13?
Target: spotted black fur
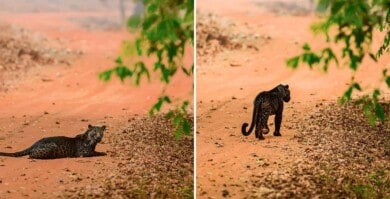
column 82, row 145
column 268, row 103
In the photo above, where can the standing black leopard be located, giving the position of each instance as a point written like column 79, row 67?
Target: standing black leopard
column 268, row 103
column 83, row 145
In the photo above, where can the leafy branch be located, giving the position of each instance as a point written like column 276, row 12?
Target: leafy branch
column 165, row 29
column 351, row 24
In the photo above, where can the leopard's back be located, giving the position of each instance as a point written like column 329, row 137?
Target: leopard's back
column 268, row 103
column 54, row 147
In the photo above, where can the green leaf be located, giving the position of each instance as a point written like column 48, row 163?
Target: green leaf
column 167, row 73
column 141, row 70
column 357, row 87
column 123, row 72
column 385, row 45
column 186, row 127
column 373, row 57
column 184, row 106
column 375, row 95
column 162, row 30
column 360, row 36
column 306, row 47
column 293, row 62
column 311, row 59
column 336, row 6
column 355, row 60
column 151, row 50
column 159, row 55
column 178, row 133
column 323, row 5
column 167, row 99
column 157, row 65
column 149, row 21
column 157, row 106
column 118, row 60
column 172, row 51
column 152, row 36
column 134, row 21
column 379, row 112
column 152, row 8
column 177, row 120
column 138, row 46
column 105, row 75
column 188, row 72
column 190, row 6
column 388, row 81
column 348, row 93
column 331, row 55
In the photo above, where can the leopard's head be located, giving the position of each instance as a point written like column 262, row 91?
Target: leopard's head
column 284, row 92
column 94, row 134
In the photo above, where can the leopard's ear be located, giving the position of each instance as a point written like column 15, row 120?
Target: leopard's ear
column 89, row 126
column 104, row 127
column 286, row 86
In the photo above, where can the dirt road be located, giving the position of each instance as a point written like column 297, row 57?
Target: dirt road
column 62, row 99
column 228, row 81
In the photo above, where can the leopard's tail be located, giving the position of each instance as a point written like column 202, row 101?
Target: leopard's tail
column 254, row 119
column 16, row 154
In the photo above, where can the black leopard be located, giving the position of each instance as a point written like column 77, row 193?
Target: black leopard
column 83, row 145
column 268, row 103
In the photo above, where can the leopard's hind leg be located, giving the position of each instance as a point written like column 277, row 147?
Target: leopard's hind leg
column 258, row 131
column 264, row 122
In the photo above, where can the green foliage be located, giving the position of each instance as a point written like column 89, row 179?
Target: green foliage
column 348, row 93
column 157, row 106
column 351, row 25
column 371, row 107
column 312, row 59
column 363, row 191
column 377, row 186
column 167, row 26
column 164, row 30
column 385, row 46
column 381, row 183
column 180, row 119
column 187, row 192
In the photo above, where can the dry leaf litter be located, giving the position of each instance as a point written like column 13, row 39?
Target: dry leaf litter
column 21, row 50
column 344, row 157
column 149, row 163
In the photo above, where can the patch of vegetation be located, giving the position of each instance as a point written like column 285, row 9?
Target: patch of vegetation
column 351, row 26
column 164, row 30
column 345, row 157
column 148, row 162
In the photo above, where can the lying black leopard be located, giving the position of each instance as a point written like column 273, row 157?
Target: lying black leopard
column 83, row 145
column 268, row 103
